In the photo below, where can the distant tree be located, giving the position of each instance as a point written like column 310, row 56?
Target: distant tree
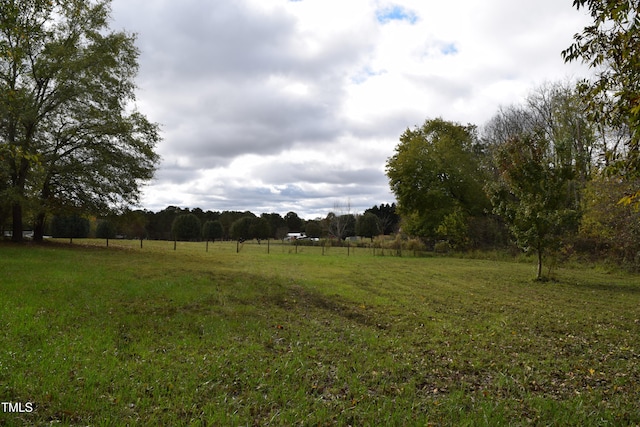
column 227, row 218
column 389, row 220
column 350, row 225
column 70, row 226
column 436, row 172
column 134, row 224
column 341, row 222
column 260, row 229
column 241, row 228
column 277, row 224
column 105, row 230
column 294, row 222
column 162, row 221
column 186, row 227
column 212, row 230
column 368, row 225
column 313, row 228
column 210, row 216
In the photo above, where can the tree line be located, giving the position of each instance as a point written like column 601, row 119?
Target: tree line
column 184, row 224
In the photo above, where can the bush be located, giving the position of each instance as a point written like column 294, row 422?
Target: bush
column 415, row 245
column 442, row 247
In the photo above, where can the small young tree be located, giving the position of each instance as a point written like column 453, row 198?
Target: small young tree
column 241, row 228
column 260, row 229
column 212, row 230
column 531, row 194
column 186, row 227
column 105, row 230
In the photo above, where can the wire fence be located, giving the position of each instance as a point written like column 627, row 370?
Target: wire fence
column 324, row 248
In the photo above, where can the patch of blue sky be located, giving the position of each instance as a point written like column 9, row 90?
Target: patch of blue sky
column 396, row 13
column 449, row 49
column 365, row 74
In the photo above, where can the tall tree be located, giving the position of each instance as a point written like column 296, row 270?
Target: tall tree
column 435, row 172
column 68, row 135
column 611, row 45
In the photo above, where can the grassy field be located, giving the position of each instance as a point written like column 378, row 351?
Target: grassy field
column 152, row 336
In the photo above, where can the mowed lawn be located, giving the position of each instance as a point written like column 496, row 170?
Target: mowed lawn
column 153, row 336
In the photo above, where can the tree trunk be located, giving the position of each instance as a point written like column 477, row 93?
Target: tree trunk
column 18, row 180
column 38, row 227
column 539, row 264
column 16, row 235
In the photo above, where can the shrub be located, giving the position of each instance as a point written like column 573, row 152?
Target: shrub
column 442, row 247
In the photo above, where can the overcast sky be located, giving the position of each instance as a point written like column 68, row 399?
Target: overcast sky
column 282, row 105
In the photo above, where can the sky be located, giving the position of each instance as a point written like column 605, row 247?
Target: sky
column 296, row 105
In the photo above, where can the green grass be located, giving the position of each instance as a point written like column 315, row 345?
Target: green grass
column 152, row 336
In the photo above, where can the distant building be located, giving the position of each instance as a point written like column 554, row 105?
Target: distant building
column 294, row 236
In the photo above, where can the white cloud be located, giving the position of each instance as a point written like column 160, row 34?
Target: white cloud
column 278, row 105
